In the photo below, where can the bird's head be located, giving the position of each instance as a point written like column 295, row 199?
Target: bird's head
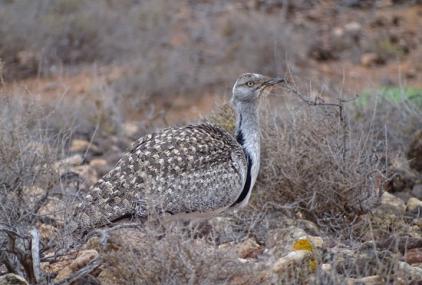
column 250, row 86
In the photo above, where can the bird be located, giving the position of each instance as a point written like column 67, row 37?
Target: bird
column 194, row 171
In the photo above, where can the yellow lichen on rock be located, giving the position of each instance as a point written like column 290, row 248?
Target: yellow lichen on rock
column 306, row 245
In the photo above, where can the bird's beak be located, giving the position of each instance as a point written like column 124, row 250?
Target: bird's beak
column 275, row 81
column 271, row 82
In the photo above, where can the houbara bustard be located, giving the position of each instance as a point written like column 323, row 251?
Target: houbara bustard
column 192, row 171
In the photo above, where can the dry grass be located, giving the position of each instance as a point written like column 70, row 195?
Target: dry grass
column 315, row 161
column 34, row 189
column 171, row 255
column 314, row 166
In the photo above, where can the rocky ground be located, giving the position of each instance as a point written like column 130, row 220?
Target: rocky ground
column 87, row 116
column 257, row 245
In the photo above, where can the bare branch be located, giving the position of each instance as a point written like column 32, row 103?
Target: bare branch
column 35, row 253
column 104, row 233
column 11, row 231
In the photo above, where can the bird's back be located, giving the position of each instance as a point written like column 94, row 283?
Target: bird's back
column 187, row 170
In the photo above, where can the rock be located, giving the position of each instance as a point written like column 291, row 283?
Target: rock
column 413, row 255
column 404, row 177
column 417, row 191
column 392, row 204
column 101, row 166
column 130, row 129
column 415, row 273
column 295, row 259
column 326, row 267
column 79, row 145
column 403, row 195
column 414, row 154
column 403, row 243
column 418, row 223
column 84, row 257
column 84, row 147
column 316, row 241
column 309, row 227
column 12, row 279
column 47, row 232
column 32, row 195
column 414, row 206
column 249, row 249
column 353, row 27
column 370, row 59
column 280, row 241
column 338, row 32
column 87, row 172
column 73, row 160
column 53, row 209
column 368, row 280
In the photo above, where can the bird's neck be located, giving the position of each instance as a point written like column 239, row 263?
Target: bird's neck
column 247, row 134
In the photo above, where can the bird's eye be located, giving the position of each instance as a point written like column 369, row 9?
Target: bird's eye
column 249, row 83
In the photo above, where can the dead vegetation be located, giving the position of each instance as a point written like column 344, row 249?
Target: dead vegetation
column 325, row 162
column 323, row 173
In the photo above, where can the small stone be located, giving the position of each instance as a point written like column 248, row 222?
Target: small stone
column 130, row 129
column 281, row 240
column 79, row 145
column 249, row 249
column 100, row 165
column 73, row 160
column 338, row 32
column 84, row 257
column 417, row 191
column 12, row 279
column 293, row 259
column 87, row 172
column 353, row 27
column 414, row 205
column 370, row 59
column 326, row 267
column 47, row 231
column 413, row 255
column 33, row 194
column 315, row 240
column 368, row 280
column 417, row 222
column 309, row 227
column 414, row 272
column 392, row 204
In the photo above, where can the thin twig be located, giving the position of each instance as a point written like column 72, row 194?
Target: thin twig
column 339, row 105
column 11, row 231
column 104, row 233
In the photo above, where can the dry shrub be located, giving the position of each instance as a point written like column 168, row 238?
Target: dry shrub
column 170, row 256
column 34, row 190
column 314, row 159
column 27, row 151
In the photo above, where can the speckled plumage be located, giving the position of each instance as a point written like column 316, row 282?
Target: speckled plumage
column 197, row 168
column 192, row 171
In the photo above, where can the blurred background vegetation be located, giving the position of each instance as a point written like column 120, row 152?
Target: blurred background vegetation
column 81, row 80
column 163, row 52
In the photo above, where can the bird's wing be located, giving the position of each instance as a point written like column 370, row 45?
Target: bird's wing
column 197, row 168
